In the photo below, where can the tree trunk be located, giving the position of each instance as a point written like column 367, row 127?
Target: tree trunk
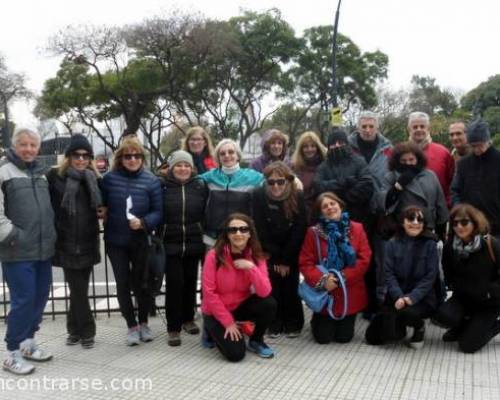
column 6, row 142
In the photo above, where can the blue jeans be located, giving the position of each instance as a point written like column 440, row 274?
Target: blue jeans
column 29, row 284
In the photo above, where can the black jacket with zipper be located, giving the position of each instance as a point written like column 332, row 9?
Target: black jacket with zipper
column 184, row 212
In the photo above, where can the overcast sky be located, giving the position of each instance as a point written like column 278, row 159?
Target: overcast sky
column 454, row 41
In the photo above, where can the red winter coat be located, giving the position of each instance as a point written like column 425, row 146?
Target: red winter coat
column 441, row 162
column 354, row 275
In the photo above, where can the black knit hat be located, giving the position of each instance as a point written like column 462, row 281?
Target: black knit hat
column 337, row 135
column 78, row 142
column 478, row 131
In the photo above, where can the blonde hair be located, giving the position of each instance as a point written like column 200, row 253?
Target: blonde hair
column 198, row 130
column 63, row 166
column 129, row 142
column 298, row 161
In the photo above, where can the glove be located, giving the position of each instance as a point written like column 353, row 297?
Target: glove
column 406, row 177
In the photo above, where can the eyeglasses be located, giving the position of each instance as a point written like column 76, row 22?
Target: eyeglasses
column 415, row 219
column 235, row 229
column 135, row 156
column 228, row 152
column 279, row 182
column 81, row 156
column 463, row 222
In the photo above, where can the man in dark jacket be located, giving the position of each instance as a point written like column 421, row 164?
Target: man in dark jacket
column 346, row 174
column 27, row 237
column 477, row 180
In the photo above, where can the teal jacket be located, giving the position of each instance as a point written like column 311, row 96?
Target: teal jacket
column 228, row 194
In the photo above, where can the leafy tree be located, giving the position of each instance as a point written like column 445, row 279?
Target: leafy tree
column 428, row 97
column 12, row 86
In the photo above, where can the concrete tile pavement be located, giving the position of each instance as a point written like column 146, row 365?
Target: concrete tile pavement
column 301, row 369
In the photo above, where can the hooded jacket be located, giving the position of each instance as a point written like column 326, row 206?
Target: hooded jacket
column 265, row 158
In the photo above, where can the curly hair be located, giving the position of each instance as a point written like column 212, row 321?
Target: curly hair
column 467, row 211
column 223, row 239
column 405, row 148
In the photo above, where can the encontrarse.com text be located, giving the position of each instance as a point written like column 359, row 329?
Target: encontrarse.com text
column 75, row 384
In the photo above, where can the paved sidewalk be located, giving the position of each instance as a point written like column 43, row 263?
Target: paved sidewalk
column 300, row 369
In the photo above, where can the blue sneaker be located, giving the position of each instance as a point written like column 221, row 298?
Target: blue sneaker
column 206, row 341
column 260, row 348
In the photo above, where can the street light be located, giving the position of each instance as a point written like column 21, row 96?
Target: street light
column 336, row 113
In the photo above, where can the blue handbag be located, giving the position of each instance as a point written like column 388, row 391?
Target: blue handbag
column 318, row 299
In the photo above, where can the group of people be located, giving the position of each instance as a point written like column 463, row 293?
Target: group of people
column 360, row 219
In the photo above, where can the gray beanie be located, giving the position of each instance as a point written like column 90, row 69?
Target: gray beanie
column 179, row 156
column 478, row 132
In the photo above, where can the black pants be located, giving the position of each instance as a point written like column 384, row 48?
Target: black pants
column 257, row 309
column 477, row 325
column 79, row 319
column 180, row 299
column 326, row 330
column 128, row 266
column 289, row 313
column 380, row 332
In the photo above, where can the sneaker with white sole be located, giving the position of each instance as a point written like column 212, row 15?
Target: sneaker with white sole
column 145, row 333
column 17, row 365
column 260, row 348
column 30, row 350
column 133, row 336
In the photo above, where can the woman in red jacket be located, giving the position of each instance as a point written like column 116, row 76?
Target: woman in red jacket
column 236, row 287
column 344, row 247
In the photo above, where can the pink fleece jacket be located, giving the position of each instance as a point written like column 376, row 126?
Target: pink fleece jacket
column 226, row 287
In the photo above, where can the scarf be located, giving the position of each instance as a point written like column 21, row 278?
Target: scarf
column 340, row 252
column 463, row 250
column 199, row 161
column 73, row 180
column 339, row 154
column 230, row 170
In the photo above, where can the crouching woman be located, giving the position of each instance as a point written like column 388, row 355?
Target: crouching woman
column 236, row 287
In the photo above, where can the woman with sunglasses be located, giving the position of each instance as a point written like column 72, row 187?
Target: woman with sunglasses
column 308, row 156
column 133, row 199
column 412, row 285
column 341, row 246
column 199, row 145
column 230, row 188
column 471, row 266
column 280, row 218
column 236, row 287
column 76, row 200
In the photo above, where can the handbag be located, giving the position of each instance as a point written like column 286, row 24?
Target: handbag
column 318, row 299
column 156, row 264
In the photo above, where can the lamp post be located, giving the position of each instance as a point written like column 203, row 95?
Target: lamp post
column 336, row 114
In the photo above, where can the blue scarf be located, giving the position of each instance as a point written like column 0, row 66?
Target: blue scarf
column 340, row 252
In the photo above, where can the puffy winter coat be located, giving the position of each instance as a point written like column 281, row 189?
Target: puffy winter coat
column 184, row 211
column 354, row 274
column 145, row 191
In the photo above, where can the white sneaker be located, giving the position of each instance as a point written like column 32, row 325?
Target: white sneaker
column 31, row 351
column 17, row 365
column 145, row 333
column 133, row 336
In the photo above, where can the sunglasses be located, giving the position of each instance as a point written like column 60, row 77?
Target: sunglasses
column 135, row 156
column 81, row 156
column 415, row 219
column 462, row 222
column 279, row 182
column 228, row 152
column 235, row 229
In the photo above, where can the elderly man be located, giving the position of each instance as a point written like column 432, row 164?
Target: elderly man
column 477, row 180
column 375, row 148
column 458, row 140
column 439, row 159
column 27, row 238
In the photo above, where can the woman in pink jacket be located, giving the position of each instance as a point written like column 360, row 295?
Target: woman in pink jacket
column 236, row 287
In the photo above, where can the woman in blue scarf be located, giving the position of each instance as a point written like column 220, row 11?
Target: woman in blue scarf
column 342, row 247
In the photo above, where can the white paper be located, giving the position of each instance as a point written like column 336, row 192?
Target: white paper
column 129, row 206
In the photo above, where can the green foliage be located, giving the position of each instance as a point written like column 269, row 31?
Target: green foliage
column 428, row 97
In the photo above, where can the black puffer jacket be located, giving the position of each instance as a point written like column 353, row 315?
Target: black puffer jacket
column 184, row 212
column 77, row 244
column 280, row 237
column 350, row 179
